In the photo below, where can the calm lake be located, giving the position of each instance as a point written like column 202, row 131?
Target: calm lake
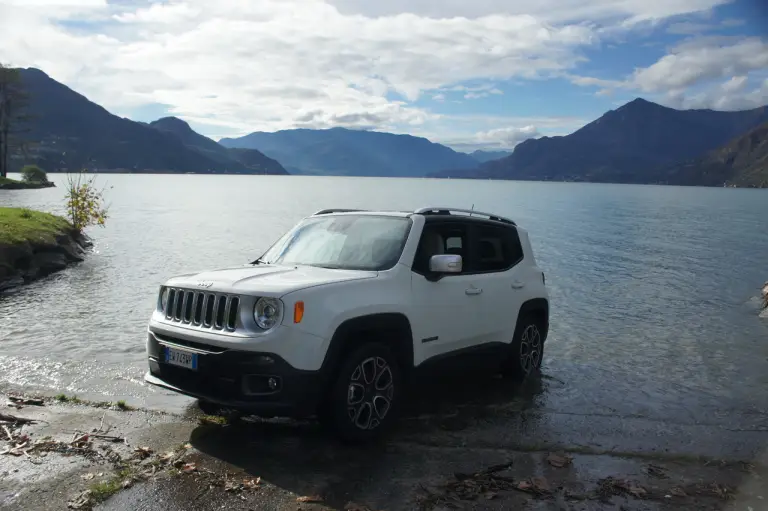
column 654, row 289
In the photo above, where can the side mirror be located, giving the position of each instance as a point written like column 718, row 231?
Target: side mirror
column 445, row 263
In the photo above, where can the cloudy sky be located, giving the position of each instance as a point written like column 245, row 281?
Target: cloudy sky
column 468, row 73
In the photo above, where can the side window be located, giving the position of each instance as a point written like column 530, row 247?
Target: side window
column 440, row 238
column 497, row 248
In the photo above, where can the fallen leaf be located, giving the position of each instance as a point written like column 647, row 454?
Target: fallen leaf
column 88, row 476
column 252, row 483
column 82, row 501
column 490, row 495
column 143, row 452
column 524, row 486
column 559, row 461
column 678, row 492
column 310, row 498
column 188, row 468
column 540, row 484
column 656, row 471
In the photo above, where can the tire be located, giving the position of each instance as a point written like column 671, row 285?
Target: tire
column 363, row 402
column 526, row 350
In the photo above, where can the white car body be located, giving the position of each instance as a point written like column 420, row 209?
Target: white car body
column 440, row 316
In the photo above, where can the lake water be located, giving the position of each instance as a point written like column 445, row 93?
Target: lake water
column 654, row 289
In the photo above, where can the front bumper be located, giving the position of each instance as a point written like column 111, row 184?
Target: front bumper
column 236, row 379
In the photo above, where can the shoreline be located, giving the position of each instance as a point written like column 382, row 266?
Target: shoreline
column 81, row 455
column 12, row 184
column 34, row 245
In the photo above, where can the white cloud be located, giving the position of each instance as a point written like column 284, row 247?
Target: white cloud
column 698, row 61
column 250, row 65
column 702, row 72
column 555, row 11
column 271, row 62
column 733, row 94
column 688, row 27
column 506, row 138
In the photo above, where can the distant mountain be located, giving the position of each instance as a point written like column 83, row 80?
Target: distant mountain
column 341, row 151
column 623, row 146
column 484, row 156
column 68, row 131
column 251, row 159
column 743, row 162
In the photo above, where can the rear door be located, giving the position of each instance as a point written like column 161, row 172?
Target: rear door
column 496, row 262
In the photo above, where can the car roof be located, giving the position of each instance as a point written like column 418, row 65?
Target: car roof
column 431, row 212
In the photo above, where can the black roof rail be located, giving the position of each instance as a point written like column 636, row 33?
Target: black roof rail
column 336, row 210
column 470, row 212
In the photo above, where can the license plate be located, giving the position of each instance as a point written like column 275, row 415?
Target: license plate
column 181, row 358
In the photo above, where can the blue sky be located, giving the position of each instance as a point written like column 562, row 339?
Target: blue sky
column 483, row 74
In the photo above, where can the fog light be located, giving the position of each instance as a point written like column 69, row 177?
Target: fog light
column 272, row 383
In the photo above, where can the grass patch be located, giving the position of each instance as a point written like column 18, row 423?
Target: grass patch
column 63, row 398
column 102, row 490
column 7, row 181
column 18, row 225
column 213, row 419
column 120, row 405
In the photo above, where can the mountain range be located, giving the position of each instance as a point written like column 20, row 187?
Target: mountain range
column 743, row 162
column 627, row 145
column 68, row 131
column 639, row 142
column 341, row 151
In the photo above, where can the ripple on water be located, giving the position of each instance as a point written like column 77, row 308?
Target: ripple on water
column 650, row 286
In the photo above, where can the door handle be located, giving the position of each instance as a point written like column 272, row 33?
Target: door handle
column 474, row 291
column 518, row 285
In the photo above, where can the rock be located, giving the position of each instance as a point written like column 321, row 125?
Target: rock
column 25, row 262
column 765, row 295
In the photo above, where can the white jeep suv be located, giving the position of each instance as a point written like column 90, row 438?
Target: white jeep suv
column 338, row 314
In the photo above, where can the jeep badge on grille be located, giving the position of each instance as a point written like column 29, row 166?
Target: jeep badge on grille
column 205, row 283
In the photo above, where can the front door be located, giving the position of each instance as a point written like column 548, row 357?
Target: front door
column 447, row 312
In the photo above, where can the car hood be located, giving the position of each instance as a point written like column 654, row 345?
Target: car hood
column 268, row 280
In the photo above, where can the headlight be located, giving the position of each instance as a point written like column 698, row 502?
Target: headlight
column 266, row 312
column 163, row 298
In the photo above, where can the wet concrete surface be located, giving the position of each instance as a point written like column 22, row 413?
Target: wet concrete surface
column 450, row 426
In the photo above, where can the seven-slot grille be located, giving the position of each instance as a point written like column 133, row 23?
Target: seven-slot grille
column 201, row 308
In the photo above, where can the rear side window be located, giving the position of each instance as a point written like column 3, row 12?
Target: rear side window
column 497, row 248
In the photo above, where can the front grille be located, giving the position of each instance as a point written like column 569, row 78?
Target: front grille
column 203, row 309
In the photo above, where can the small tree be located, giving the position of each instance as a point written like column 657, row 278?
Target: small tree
column 85, row 203
column 33, row 174
column 13, row 101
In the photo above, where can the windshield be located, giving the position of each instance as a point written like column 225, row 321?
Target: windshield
column 351, row 242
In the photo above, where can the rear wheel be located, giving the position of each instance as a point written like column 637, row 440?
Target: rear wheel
column 526, row 350
column 363, row 401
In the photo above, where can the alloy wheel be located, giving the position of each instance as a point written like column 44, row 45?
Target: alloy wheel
column 530, row 349
column 370, row 393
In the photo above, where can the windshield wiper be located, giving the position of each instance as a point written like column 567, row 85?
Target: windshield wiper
column 259, row 261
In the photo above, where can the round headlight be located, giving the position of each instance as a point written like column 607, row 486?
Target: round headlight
column 163, row 298
column 266, row 312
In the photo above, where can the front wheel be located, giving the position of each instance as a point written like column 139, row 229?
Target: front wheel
column 364, row 399
column 526, row 350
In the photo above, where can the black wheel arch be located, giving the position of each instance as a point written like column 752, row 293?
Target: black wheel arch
column 391, row 328
column 539, row 309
